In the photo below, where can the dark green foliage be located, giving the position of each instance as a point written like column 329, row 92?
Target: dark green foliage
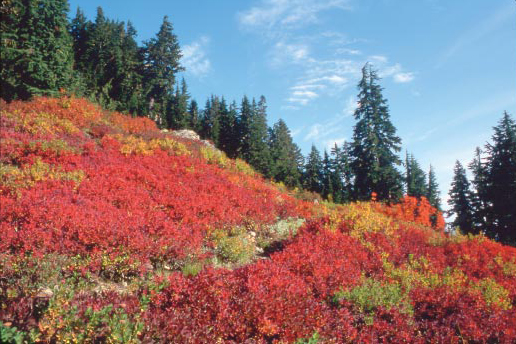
column 285, row 155
column 375, row 144
column 313, row 174
column 343, row 177
column 193, row 116
column 36, row 49
column 177, row 111
column 432, row 190
column 500, row 176
column 161, row 57
column 478, row 194
column 415, row 178
column 244, row 125
column 460, row 200
column 228, row 141
column 258, row 154
column 328, row 173
column 108, row 61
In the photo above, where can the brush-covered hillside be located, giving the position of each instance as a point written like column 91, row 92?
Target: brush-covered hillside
column 113, row 231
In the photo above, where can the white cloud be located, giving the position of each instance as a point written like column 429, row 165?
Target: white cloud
column 272, row 14
column 284, row 53
column 305, row 94
column 194, row 57
column 403, row 77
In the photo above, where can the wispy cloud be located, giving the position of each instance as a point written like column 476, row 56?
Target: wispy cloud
column 403, row 77
column 271, row 15
column 194, row 57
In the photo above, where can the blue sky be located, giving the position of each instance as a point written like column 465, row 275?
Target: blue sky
column 448, row 68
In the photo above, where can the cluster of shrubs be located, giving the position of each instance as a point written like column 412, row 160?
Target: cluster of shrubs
column 115, row 232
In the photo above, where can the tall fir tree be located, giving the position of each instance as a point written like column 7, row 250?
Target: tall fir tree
column 460, row 200
column 375, row 144
column 177, row 111
column 478, row 193
column 161, row 56
column 285, row 155
column 415, row 178
column 313, row 175
column 36, row 49
column 228, row 141
column 258, row 153
column 432, row 190
column 328, row 191
column 193, row 116
column 501, row 182
column 244, row 127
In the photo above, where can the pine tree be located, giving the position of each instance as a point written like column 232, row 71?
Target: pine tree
column 177, row 111
column 36, row 49
column 258, row 154
column 501, row 182
column 432, row 190
column 313, row 175
column 194, row 122
column 229, row 130
column 328, row 191
column 161, row 57
column 414, row 177
column 375, row 144
column 244, row 127
column 460, row 200
column 285, row 155
column 478, row 193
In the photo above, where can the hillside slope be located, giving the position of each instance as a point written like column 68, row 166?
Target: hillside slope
column 113, row 231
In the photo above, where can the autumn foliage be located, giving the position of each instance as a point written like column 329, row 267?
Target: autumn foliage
column 113, row 231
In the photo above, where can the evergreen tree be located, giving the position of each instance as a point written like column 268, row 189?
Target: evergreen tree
column 328, row 191
column 432, row 190
column 375, row 144
column 460, row 200
column 501, row 182
column 193, row 116
column 414, row 177
column 229, row 130
column 36, row 49
column 161, row 57
column 285, row 155
column 478, row 194
column 177, row 112
column 244, row 127
column 258, row 154
column 313, row 175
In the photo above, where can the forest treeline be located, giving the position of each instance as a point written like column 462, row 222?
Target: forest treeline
column 44, row 53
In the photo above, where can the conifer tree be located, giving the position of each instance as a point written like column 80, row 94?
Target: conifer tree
column 478, row 193
column 414, row 177
column 375, row 144
column 432, row 190
column 460, row 200
column 161, row 57
column 328, row 191
column 285, row 155
column 244, row 125
column 36, row 49
column 193, row 116
column 177, row 112
column 228, row 140
column 258, row 153
column 501, row 182
column 313, row 175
